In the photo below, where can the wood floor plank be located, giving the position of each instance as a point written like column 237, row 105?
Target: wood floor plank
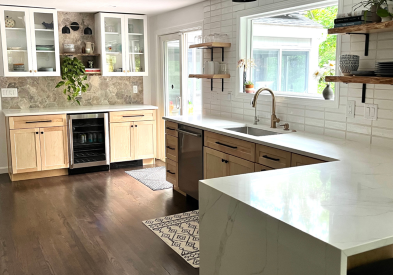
column 87, row 224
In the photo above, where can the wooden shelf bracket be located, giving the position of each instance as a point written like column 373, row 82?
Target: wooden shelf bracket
column 367, row 42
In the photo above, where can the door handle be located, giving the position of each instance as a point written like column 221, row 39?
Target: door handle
column 38, row 121
column 170, row 172
column 135, row 116
column 178, row 102
column 226, row 145
column 188, row 133
column 273, row 159
column 170, row 148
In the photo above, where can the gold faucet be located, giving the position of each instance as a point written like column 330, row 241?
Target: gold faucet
column 274, row 118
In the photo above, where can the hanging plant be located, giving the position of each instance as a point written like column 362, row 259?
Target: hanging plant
column 73, row 75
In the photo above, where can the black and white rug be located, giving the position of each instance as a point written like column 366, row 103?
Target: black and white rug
column 181, row 233
column 154, row 178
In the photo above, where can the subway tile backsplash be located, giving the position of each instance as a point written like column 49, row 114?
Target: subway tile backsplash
column 220, row 16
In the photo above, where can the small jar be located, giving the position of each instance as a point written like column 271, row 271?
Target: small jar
column 90, row 138
column 94, row 137
column 100, row 138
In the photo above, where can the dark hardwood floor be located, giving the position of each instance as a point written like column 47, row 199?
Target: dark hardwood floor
column 86, row 224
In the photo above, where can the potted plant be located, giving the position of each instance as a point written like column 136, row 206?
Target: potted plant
column 373, row 7
column 73, row 77
column 320, row 75
column 245, row 64
column 249, row 87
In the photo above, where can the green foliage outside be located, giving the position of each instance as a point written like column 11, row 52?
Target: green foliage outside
column 327, row 49
column 73, row 75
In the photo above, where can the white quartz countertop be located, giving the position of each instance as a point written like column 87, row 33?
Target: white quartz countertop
column 76, row 110
column 346, row 203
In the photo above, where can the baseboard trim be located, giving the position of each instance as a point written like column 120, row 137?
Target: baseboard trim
column 3, row 170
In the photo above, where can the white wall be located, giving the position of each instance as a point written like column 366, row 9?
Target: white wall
column 220, row 16
column 3, row 148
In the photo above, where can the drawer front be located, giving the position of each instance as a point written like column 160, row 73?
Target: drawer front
column 128, row 116
column 232, row 146
column 170, row 128
column 172, row 172
column 261, row 168
column 29, row 122
column 299, row 160
column 171, row 147
column 274, row 158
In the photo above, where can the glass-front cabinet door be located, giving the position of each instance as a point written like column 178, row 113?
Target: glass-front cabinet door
column 113, row 53
column 29, row 40
column 16, row 42
column 136, row 41
column 45, row 44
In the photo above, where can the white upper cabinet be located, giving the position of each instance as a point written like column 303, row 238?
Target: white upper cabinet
column 122, row 43
column 29, row 41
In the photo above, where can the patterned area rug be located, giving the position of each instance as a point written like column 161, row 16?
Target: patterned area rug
column 181, row 233
column 154, row 178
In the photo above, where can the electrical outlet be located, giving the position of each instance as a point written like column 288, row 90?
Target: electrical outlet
column 371, row 111
column 9, row 92
column 135, row 89
column 351, row 108
column 229, row 96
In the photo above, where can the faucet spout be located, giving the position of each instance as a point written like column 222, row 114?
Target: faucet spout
column 274, row 118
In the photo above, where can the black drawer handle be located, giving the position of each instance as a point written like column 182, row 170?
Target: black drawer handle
column 170, row 129
column 223, row 160
column 38, row 121
column 223, row 144
column 273, row 159
column 170, row 172
column 263, row 170
column 170, row 148
column 135, row 116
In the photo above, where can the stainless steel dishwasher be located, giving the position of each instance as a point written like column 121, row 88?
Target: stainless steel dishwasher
column 190, row 159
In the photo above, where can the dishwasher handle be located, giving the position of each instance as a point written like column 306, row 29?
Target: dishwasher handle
column 188, row 133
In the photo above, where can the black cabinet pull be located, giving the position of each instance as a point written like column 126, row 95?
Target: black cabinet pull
column 136, row 125
column 38, row 121
column 42, row 133
column 223, row 144
column 135, row 116
column 36, row 133
column 263, row 170
column 170, row 172
column 170, row 129
column 132, row 126
column 170, row 148
column 223, row 160
column 273, row 159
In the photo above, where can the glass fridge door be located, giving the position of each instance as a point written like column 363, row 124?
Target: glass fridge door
column 16, row 41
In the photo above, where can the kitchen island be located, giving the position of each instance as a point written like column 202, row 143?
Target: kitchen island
column 318, row 219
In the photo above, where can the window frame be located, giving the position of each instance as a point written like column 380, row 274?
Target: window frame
column 245, row 39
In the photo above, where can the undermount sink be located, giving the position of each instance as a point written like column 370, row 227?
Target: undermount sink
column 252, row 131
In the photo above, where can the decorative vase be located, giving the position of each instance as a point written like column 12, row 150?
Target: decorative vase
column 9, row 22
column 349, row 63
column 374, row 16
column 328, row 92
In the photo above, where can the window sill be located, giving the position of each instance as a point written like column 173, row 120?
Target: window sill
column 298, row 100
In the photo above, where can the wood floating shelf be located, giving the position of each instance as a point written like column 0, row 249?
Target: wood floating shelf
column 361, row 79
column 210, row 76
column 79, row 54
column 365, row 28
column 211, row 45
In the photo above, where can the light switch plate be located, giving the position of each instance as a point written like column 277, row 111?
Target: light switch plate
column 9, row 92
column 371, row 111
column 135, row 89
column 351, row 108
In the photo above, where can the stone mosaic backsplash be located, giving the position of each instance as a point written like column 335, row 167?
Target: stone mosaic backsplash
column 40, row 92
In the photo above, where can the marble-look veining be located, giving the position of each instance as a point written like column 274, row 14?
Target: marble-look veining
column 76, row 110
column 319, row 214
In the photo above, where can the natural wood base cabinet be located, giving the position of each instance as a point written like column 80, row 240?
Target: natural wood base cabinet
column 132, row 140
column 38, row 149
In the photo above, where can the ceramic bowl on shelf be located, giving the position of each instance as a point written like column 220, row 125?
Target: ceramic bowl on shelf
column 349, row 63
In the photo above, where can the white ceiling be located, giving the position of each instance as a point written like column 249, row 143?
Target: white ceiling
column 124, row 6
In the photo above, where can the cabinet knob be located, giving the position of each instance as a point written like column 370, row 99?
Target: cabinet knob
column 128, row 71
column 36, row 133
column 31, row 71
column 35, row 71
column 124, row 71
column 42, row 133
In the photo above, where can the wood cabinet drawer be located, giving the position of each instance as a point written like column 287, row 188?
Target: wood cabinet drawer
column 171, row 147
column 260, row 168
column 29, row 122
column 271, row 157
column 132, row 116
column 233, row 146
column 172, row 172
column 299, row 160
column 170, row 128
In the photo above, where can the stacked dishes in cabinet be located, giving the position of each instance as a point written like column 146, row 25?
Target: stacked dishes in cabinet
column 384, row 69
